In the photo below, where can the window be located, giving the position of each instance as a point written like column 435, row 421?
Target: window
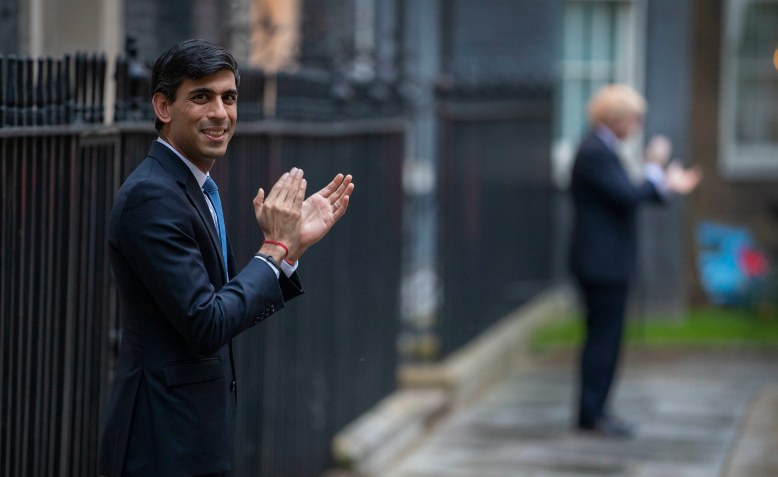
column 749, row 113
column 600, row 45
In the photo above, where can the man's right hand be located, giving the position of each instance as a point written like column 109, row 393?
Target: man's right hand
column 279, row 214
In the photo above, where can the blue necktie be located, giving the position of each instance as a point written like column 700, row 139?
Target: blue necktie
column 212, row 192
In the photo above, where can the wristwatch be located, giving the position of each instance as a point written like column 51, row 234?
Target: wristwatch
column 270, row 260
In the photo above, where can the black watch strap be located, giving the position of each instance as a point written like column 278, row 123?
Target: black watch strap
column 270, row 260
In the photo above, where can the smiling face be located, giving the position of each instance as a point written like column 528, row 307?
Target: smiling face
column 200, row 121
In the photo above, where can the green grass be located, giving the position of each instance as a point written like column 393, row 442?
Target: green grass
column 701, row 327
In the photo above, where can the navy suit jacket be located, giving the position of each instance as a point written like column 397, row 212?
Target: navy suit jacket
column 171, row 411
column 603, row 247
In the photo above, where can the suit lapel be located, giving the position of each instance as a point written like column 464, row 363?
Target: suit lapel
column 191, row 188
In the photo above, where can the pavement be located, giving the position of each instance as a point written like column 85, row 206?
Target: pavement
column 700, row 413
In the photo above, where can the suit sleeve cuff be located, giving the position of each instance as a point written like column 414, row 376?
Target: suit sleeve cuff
column 656, row 176
column 275, row 270
column 284, row 266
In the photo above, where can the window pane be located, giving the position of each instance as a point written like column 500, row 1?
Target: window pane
column 573, row 28
column 757, row 79
column 602, row 27
column 573, row 94
column 589, row 58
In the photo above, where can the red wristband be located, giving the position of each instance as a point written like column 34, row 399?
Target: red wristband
column 279, row 244
column 289, row 262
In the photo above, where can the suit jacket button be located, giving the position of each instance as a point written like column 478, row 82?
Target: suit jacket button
column 234, row 385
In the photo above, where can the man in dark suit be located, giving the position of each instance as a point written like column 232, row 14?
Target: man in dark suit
column 604, row 239
column 182, row 297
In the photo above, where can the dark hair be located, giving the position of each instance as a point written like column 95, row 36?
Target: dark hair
column 189, row 59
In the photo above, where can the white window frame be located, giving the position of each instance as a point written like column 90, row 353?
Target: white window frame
column 739, row 161
column 629, row 69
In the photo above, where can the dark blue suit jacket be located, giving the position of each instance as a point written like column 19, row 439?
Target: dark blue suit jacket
column 172, row 407
column 603, row 247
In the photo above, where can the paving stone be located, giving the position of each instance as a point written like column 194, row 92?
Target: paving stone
column 756, row 451
column 690, row 408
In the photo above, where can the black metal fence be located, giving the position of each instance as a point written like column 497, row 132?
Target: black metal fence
column 305, row 374
column 330, row 355
column 49, row 91
column 497, row 205
column 56, row 301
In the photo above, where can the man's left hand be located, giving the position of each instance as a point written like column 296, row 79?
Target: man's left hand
column 321, row 211
column 682, row 181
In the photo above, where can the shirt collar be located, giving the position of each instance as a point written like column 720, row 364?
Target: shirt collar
column 607, row 136
column 200, row 176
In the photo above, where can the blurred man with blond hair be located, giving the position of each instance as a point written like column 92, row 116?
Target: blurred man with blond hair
column 603, row 251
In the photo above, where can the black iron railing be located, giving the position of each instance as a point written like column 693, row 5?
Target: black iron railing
column 497, row 204
column 304, row 374
column 49, row 91
column 56, row 306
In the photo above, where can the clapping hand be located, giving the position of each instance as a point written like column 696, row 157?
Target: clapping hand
column 677, row 179
column 279, row 214
column 680, row 180
column 659, row 150
column 321, row 211
column 286, row 218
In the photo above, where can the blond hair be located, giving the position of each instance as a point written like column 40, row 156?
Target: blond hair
column 613, row 102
